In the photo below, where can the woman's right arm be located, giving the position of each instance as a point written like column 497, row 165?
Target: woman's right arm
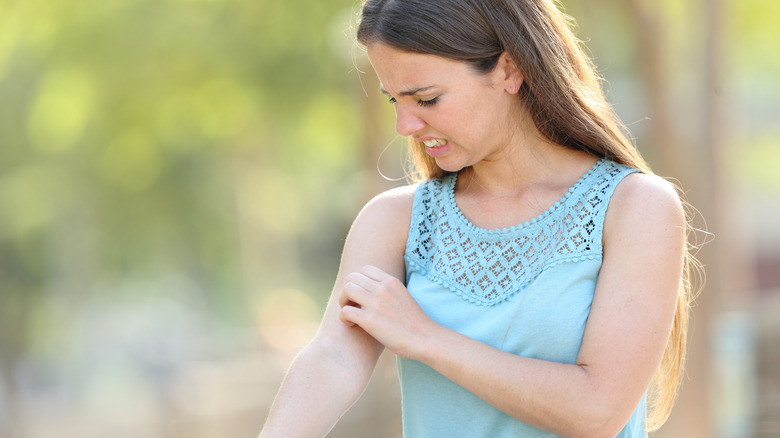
column 330, row 374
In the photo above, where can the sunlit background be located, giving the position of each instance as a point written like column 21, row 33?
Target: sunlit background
column 177, row 178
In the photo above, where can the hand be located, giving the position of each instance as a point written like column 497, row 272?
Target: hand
column 380, row 304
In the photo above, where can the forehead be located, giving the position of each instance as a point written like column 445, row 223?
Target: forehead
column 401, row 72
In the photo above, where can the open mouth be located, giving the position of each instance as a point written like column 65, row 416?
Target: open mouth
column 435, row 143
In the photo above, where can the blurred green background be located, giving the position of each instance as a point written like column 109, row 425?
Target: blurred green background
column 177, row 178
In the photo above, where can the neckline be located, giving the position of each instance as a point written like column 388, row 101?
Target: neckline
column 541, row 216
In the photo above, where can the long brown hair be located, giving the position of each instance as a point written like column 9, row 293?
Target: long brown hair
column 561, row 91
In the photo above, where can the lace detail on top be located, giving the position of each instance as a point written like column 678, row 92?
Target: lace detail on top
column 486, row 267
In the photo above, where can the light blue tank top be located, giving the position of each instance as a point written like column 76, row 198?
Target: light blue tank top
column 525, row 290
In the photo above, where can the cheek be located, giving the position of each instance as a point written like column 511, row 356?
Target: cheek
column 468, row 119
column 458, row 118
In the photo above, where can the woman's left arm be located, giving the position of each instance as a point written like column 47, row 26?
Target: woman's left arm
column 625, row 336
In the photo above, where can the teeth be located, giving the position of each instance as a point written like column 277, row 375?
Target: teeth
column 434, row 143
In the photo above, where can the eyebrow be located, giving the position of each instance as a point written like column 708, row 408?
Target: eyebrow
column 410, row 92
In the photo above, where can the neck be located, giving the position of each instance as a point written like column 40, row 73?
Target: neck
column 524, row 165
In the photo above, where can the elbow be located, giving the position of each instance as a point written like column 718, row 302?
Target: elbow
column 602, row 414
column 601, row 420
column 600, row 431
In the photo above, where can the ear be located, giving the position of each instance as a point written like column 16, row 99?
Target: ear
column 509, row 73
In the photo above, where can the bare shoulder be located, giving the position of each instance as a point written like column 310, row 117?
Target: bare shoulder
column 395, row 198
column 378, row 235
column 643, row 201
column 391, row 210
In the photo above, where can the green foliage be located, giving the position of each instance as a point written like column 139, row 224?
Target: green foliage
column 130, row 132
column 754, row 38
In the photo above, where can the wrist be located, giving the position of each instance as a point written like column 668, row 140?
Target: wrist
column 428, row 348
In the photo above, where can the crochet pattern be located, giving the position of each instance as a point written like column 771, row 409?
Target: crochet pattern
column 486, row 267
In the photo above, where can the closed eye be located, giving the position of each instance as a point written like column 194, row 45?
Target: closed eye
column 420, row 102
column 431, row 102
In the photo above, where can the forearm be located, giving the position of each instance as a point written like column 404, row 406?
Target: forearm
column 566, row 399
column 318, row 389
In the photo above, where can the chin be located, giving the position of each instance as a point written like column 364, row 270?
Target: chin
column 450, row 167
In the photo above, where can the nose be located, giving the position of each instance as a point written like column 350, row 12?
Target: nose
column 406, row 121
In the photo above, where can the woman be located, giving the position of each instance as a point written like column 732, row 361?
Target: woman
column 533, row 284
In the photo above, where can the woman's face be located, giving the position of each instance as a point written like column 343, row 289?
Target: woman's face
column 463, row 117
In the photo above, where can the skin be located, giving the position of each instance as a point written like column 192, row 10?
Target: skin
column 509, row 174
column 329, row 375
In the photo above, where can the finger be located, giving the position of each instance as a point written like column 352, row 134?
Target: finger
column 381, row 280
column 344, row 298
column 348, row 314
column 352, row 294
column 375, row 273
column 361, row 281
